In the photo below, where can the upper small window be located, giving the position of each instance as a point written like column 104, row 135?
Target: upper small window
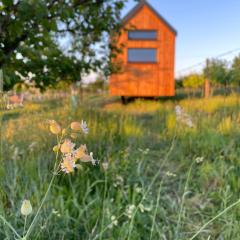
column 142, row 35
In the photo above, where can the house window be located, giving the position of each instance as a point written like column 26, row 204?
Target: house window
column 142, row 35
column 142, row 55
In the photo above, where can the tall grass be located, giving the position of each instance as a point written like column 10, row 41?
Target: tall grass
column 134, row 198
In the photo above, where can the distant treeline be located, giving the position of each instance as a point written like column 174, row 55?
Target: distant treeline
column 218, row 72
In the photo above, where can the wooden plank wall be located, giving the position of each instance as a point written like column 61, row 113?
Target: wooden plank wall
column 146, row 79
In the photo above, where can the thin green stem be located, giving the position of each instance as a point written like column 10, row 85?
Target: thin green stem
column 214, row 218
column 46, row 194
column 107, row 227
column 39, row 209
column 25, row 223
column 182, row 200
column 103, row 207
column 156, row 208
column 150, row 185
column 10, row 226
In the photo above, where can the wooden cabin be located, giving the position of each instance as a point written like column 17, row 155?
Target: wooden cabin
column 147, row 58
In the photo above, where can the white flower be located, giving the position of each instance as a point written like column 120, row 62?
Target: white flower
column 19, row 56
column 199, row 159
column 25, row 60
column 129, row 210
column 94, row 162
column 170, row 174
column 31, row 75
column 183, row 117
column 26, row 208
column 105, row 166
column 84, row 127
column 45, row 69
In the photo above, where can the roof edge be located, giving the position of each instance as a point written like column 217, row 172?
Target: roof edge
column 132, row 12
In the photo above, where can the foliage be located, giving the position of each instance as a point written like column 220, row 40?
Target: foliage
column 193, row 81
column 34, row 35
column 235, row 71
column 217, row 71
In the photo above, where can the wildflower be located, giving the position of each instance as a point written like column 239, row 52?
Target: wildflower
column 129, row 211
column 170, row 174
column 26, row 208
column 119, row 181
column 68, row 164
column 76, row 126
column 55, row 128
column 114, row 222
column 56, row 148
column 67, row 146
column 94, row 162
column 80, row 152
column 199, row 159
column 84, row 127
column 105, row 166
column 64, row 131
column 89, row 158
column 183, row 117
column 178, row 110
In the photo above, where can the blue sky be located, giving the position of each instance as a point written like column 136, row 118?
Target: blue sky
column 206, row 28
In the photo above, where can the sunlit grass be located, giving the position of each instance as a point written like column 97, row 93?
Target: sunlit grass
column 140, row 142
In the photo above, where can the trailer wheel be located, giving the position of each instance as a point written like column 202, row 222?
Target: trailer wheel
column 124, row 100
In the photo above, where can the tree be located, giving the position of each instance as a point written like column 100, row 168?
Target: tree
column 33, row 33
column 235, row 71
column 217, row 72
column 193, row 81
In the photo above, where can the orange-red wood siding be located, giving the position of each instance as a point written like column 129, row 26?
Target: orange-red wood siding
column 146, row 79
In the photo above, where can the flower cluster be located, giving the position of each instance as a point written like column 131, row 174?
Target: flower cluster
column 69, row 153
column 183, row 117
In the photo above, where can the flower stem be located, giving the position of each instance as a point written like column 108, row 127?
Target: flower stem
column 39, row 209
column 10, row 226
column 25, row 222
column 214, row 218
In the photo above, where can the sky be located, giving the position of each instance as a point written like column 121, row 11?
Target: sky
column 206, row 28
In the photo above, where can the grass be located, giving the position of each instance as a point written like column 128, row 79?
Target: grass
column 153, row 188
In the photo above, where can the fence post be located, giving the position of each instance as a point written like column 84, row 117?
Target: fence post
column 207, row 82
column 1, row 81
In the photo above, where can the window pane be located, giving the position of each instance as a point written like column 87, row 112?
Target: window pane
column 142, row 55
column 142, row 35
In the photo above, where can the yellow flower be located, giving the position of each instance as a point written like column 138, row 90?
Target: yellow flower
column 56, row 148
column 80, row 152
column 67, row 146
column 26, row 208
column 64, row 131
column 55, row 128
column 76, row 126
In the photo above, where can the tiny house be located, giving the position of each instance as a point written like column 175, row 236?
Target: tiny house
column 147, row 58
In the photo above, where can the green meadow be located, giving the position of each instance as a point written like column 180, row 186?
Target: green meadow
column 158, row 177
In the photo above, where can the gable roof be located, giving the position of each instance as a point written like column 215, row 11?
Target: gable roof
column 141, row 5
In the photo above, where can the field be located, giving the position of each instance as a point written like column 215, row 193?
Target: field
column 166, row 176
